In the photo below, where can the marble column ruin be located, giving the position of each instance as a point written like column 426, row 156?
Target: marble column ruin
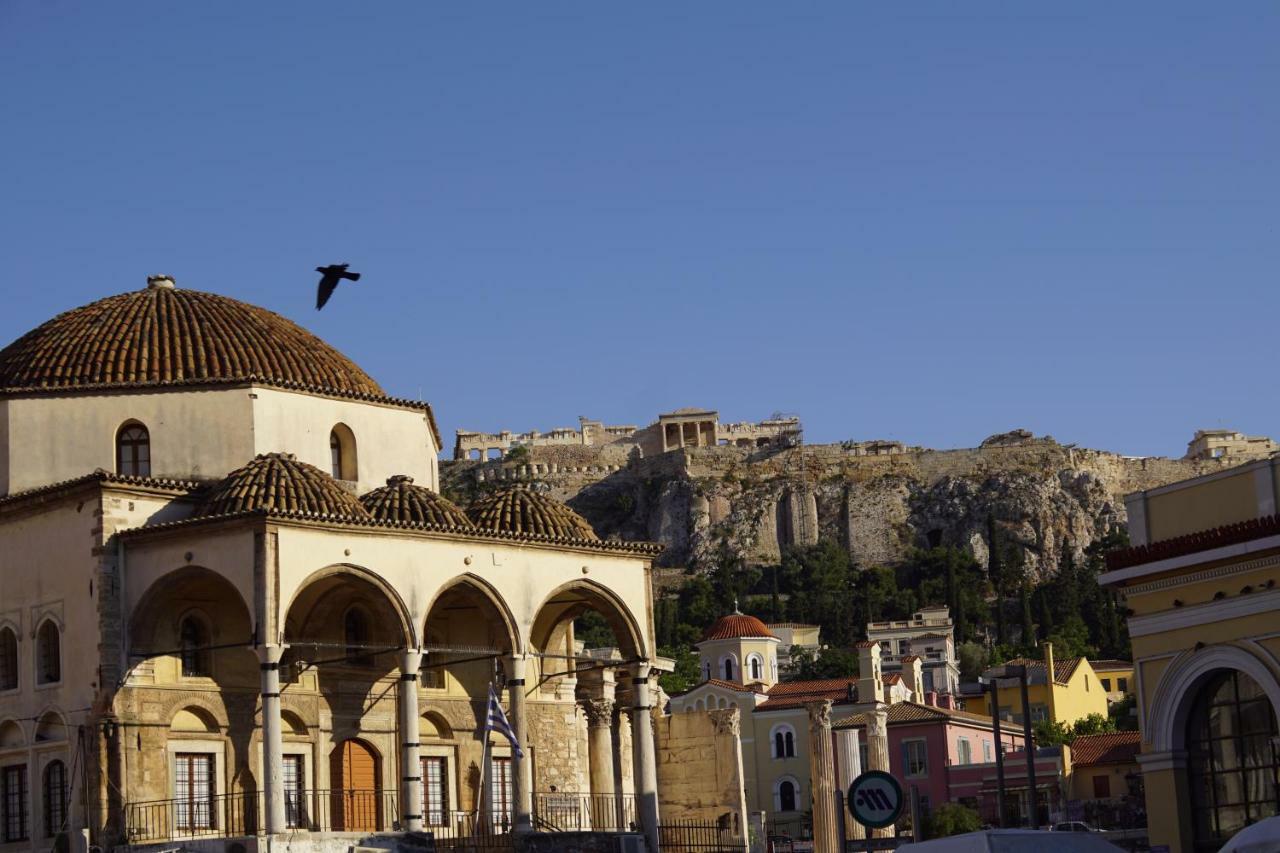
column 822, row 773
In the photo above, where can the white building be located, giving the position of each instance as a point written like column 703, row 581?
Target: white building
column 929, row 635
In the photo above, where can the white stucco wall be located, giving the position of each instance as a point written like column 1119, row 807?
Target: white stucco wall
column 206, row 434
column 389, row 440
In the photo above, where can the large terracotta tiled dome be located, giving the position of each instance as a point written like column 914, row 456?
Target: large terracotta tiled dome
column 164, row 335
column 521, row 510
column 736, row 626
column 400, row 500
column 278, row 482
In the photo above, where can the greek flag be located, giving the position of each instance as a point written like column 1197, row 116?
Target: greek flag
column 496, row 721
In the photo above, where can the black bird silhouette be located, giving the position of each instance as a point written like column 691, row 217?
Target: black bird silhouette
column 329, row 278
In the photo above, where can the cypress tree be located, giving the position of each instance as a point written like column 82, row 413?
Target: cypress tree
column 995, row 573
column 1028, row 626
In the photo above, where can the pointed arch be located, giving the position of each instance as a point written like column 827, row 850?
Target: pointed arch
column 475, row 584
column 570, row 599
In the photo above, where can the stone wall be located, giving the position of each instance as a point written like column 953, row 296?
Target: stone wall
column 700, row 771
column 1044, row 496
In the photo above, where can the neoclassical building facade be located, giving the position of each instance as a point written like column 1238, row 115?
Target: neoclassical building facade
column 234, row 602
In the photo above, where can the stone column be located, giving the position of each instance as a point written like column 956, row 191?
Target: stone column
column 410, row 763
column 850, row 762
column 522, row 770
column 822, row 775
column 600, row 760
column 645, row 760
column 272, row 738
column 878, row 755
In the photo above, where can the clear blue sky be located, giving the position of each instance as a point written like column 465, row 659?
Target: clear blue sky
column 930, row 223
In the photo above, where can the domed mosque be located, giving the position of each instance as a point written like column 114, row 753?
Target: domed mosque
column 229, row 569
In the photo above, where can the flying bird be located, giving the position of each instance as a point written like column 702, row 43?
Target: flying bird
column 329, row 278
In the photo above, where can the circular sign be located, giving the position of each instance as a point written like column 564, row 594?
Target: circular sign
column 875, row 799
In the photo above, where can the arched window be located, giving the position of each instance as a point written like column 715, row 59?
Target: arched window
column 48, row 653
column 133, row 450
column 755, row 665
column 8, row 659
column 1230, row 760
column 193, row 637
column 784, row 741
column 355, row 630
column 786, row 792
column 729, row 666
column 706, row 668
column 342, row 453
column 55, row 798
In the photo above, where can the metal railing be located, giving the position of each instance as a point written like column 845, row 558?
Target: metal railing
column 214, row 816
column 556, row 812
column 693, row 836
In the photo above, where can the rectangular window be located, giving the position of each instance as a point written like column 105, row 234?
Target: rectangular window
column 986, row 751
column 1039, row 712
column 915, row 758
column 1101, row 787
column 962, row 750
column 1122, row 684
column 295, row 783
column 500, row 793
column 193, row 791
column 13, row 791
column 435, row 791
column 1106, row 684
column 55, row 799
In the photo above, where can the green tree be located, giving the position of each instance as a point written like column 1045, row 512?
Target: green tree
column 1093, row 724
column 1123, row 715
column 973, row 659
column 951, row 819
column 1051, row 733
column 829, row 663
column 1028, row 626
column 686, row 675
column 995, row 573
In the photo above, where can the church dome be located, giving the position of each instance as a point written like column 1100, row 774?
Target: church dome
column 163, row 335
column 736, row 626
column 522, row 510
column 279, row 483
column 400, row 500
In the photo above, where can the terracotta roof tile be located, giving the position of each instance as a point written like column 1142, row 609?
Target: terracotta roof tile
column 163, row 334
column 796, row 694
column 735, row 626
column 1217, row 537
column 1109, row 748
column 519, row 509
column 913, row 712
column 1063, row 668
column 729, row 685
column 279, row 482
column 401, row 500
column 1110, row 665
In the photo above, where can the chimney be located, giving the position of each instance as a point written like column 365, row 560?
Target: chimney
column 913, row 675
column 931, row 698
column 1048, row 663
column 870, row 684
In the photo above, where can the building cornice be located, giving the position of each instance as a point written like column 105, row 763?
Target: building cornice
column 1227, row 552
column 1223, row 571
column 1203, row 614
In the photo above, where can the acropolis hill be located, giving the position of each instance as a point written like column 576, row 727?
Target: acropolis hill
column 878, row 499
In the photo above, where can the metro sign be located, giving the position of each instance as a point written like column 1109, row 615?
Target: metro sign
column 875, row 799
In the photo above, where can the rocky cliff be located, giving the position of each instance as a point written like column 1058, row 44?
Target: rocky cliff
column 1043, row 496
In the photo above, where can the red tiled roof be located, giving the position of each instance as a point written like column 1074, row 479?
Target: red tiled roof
column 891, row 678
column 913, row 712
column 910, row 658
column 796, row 694
column 729, row 685
column 735, row 626
column 1217, row 537
column 865, row 644
column 1063, row 668
column 1109, row 748
column 1110, row 665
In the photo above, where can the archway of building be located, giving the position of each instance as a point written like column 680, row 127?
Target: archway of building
column 469, row 636
column 192, row 627
column 585, row 646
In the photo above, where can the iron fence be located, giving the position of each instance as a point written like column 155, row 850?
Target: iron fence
column 694, row 836
column 211, row 816
column 556, row 812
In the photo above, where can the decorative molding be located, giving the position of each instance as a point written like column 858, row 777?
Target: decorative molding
column 819, row 714
column 1223, row 571
column 727, row 721
column 1155, row 762
column 599, row 713
column 1202, row 614
column 1166, row 729
column 1195, row 558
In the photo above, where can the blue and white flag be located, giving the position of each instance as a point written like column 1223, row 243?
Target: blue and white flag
column 496, row 721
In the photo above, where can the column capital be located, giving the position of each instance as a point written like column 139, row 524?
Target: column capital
column 270, row 653
column 411, row 661
column 820, row 714
column 599, row 713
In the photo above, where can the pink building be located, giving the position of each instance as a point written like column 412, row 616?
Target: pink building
column 949, row 756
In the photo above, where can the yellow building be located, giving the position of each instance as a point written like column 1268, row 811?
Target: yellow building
column 1200, row 583
column 1103, row 766
column 1074, row 694
column 1116, row 677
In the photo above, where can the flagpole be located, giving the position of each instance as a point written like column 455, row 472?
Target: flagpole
column 484, row 758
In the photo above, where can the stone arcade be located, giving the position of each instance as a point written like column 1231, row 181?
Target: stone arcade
column 235, row 605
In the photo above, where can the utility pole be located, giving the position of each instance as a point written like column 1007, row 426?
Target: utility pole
column 1029, row 744
column 993, row 686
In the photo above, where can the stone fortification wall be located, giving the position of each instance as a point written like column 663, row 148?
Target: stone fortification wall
column 1044, row 496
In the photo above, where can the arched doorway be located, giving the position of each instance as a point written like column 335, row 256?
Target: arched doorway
column 1232, row 765
column 356, row 798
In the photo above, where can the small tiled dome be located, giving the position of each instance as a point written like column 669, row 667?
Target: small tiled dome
column 400, row 500
column 736, row 626
column 163, row 335
column 280, row 483
column 522, row 510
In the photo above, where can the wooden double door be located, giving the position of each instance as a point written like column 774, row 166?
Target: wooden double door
column 356, row 799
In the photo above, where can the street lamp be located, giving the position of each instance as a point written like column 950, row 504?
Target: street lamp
column 1018, row 671
column 990, row 684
